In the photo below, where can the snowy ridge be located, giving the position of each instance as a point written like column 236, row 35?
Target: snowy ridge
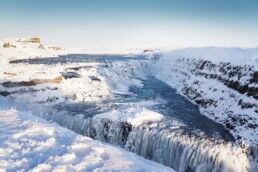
column 236, row 56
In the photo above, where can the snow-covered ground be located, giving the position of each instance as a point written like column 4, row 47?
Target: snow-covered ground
column 29, row 143
column 236, row 56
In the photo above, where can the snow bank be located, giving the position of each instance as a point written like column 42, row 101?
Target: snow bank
column 24, row 137
column 3, row 62
column 237, row 56
column 122, row 75
column 134, row 116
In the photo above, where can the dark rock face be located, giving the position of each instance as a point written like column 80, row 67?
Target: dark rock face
column 245, row 105
column 69, row 75
column 4, row 93
column 238, row 78
column 108, row 129
column 195, row 96
column 230, row 126
column 254, row 78
column 94, row 78
column 126, row 129
column 243, row 79
column 9, row 84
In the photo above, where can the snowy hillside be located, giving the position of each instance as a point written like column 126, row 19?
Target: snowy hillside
column 236, row 56
column 222, row 81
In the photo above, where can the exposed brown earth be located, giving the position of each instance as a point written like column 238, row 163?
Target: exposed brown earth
column 30, row 40
column 10, row 74
column 8, row 45
column 55, row 80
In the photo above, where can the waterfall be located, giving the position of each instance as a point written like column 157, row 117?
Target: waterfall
column 169, row 146
column 186, row 153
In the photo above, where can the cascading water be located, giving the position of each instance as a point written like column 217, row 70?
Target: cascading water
column 186, row 153
column 166, row 145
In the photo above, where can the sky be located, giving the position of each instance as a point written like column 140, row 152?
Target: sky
column 130, row 24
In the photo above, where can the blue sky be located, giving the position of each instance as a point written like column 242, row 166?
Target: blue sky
column 122, row 24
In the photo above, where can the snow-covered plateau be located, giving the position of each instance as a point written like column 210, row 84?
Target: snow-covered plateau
column 192, row 109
